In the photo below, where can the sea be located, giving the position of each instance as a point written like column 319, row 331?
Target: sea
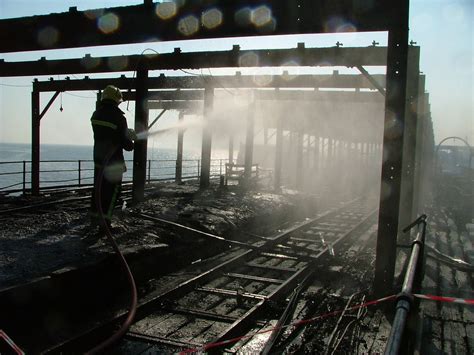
column 72, row 165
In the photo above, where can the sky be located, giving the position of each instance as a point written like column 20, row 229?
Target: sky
column 443, row 29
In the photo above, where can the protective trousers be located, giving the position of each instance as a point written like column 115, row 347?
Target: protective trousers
column 107, row 191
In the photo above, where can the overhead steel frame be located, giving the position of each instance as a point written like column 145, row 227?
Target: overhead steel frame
column 172, row 97
column 282, row 17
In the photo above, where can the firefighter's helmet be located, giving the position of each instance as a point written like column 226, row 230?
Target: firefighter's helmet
column 112, row 93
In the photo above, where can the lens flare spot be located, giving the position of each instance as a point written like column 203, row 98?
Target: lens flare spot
column 212, row 18
column 385, row 191
column 339, row 24
column 393, row 127
column 249, row 59
column 166, row 10
column 93, row 14
column 108, row 23
column 188, row 25
column 89, row 62
column 48, row 36
column 263, row 80
column 243, row 17
column 118, row 63
column 261, row 16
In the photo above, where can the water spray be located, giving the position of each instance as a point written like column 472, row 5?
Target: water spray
column 180, row 125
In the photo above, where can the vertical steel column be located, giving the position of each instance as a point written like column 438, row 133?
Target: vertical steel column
column 35, row 142
column 231, row 148
column 206, row 138
column 330, row 155
column 308, row 151
column 316, row 154
column 421, row 116
column 397, row 52
column 249, row 139
column 409, row 145
column 141, row 125
column 278, row 153
column 299, row 158
column 179, row 155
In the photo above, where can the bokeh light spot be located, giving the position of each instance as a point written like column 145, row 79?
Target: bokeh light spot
column 385, row 191
column 262, row 80
column 166, row 10
column 339, row 24
column 48, row 36
column 249, row 59
column 108, row 23
column 261, row 16
column 212, row 18
column 118, row 63
column 93, row 14
column 243, row 17
column 89, row 62
column 188, row 25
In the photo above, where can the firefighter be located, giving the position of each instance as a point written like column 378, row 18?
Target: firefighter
column 111, row 136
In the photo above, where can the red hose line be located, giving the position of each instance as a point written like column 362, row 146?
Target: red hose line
column 131, row 281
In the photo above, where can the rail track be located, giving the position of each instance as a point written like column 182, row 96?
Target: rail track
column 237, row 296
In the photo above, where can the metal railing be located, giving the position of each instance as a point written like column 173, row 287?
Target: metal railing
column 412, row 282
column 15, row 176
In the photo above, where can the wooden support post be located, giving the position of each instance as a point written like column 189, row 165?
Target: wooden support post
column 179, row 155
column 206, row 138
column 35, row 142
column 394, row 122
column 231, row 148
column 316, row 154
column 308, row 151
column 249, row 139
column 299, row 159
column 141, row 126
column 409, row 146
column 421, row 117
column 278, row 153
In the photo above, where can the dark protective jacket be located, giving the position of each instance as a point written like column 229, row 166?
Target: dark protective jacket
column 110, row 135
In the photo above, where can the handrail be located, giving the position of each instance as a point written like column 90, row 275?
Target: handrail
column 158, row 170
column 412, row 281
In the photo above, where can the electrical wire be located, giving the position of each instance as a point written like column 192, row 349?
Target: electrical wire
column 15, row 86
column 82, row 97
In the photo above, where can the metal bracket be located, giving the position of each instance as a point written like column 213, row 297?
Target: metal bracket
column 46, row 108
column 371, row 79
column 157, row 118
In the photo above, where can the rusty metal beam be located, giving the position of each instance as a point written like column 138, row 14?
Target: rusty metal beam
column 372, row 80
column 141, row 125
column 395, row 109
column 337, row 81
column 234, row 58
column 157, row 118
column 48, row 105
column 193, row 20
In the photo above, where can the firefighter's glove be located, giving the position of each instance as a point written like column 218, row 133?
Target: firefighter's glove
column 131, row 134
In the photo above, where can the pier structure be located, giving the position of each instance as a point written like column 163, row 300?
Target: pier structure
column 405, row 124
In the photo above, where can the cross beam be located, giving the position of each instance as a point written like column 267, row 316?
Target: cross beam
column 194, row 19
column 341, row 81
column 235, row 58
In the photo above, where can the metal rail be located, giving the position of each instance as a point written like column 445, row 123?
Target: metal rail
column 82, row 172
column 251, row 281
column 259, row 275
column 405, row 298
